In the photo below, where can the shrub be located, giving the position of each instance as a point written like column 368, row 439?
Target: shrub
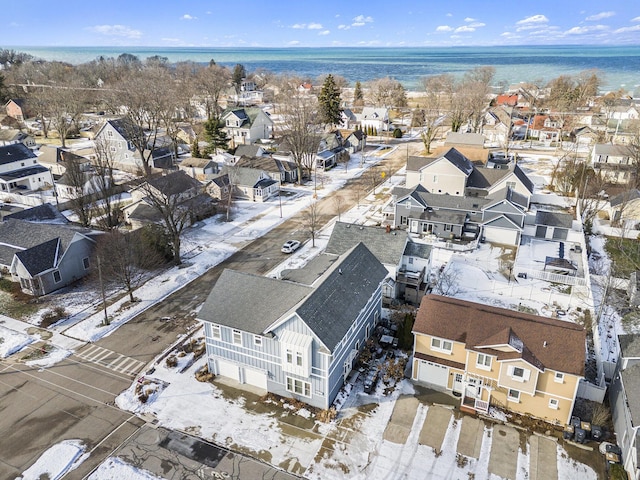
column 172, row 361
column 397, row 133
column 50, row 317
column 326, row 416
column 203, row 375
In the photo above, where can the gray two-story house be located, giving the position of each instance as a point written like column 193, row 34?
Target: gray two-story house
column 297, row 337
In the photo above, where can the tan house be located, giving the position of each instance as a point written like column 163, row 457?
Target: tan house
column 16, row 108
column 528, row 364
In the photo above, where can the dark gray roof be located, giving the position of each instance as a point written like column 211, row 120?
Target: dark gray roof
column 249, row 302
column 42, row 213
column 526, row 181
column 554, row 219
column 451, row 217
column 387, row 247
column 629, row 346
column 174, row 183
column 624, row 197
column 419, row 250
column 19, row 235
column 631, row 382
column 345, row 290
column 486, row 177
column 15, row 153
column 246, row 176
column 41, row 257
column 452, row 155
column 23, row 172
column 611, row 150
column 312, row 271
column 452, row 202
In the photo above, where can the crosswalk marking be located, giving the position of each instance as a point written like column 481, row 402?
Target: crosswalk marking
column 111, row 360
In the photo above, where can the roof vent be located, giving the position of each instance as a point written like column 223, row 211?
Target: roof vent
column 340, row 273
column 544, row 343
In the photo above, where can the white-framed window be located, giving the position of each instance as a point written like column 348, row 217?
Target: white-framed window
column 56, row 276
column 289, row 357
column 410, row 260
column 298, row 359
column 236, row 337
column 441, row 345
column 554, row 403
column 483, row 361
column 511, row 185
column 518, row 374
column 257, row 340
column 109, row 133
column 448, row 228
column 298, row 387
column 216, row 332
column 513, row 395
column 558, row 377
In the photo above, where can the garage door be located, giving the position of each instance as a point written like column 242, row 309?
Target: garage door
column 433, row 373
column 500, row 235
column 255, row 378
column 228, row 369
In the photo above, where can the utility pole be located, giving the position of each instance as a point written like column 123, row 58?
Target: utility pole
column 104, row 297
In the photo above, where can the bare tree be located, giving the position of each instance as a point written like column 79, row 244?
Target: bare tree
column 476, row 86
column 126, row 260
column 81, row 201
column 439, row 92
column 387, row 92
column 107, row 192
column 211, row 82
column 311, row 221
column 301, row 130
column 339, row 204
column 449, row 282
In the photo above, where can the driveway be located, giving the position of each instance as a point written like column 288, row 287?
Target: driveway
column 503, row 460
column 402, row 418
column 435, row 427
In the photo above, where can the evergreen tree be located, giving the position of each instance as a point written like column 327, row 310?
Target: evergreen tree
column 329, row 102
column 215, row 136
column 239, row 73
column 3, row 90
column 358, row 96
column 195, row 149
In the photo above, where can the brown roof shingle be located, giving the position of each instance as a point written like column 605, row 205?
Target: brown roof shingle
column 556, row 344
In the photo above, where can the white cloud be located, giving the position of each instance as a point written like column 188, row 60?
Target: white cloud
column 208, row 12
column 635, row 28
column 186, row 16
column 585, row 29
column 465, row 28
column 361, row 20
column 294, row 43
column 299, row 26
column 324, row 32
column 116, row 31
column 506, row 34
column 449, row 15
column 315, row 26
column 477, row 24
column 637, row 19
column 600, row 16
column 533, row 19
column 469, row 19
column 343, row 27
column 444, row 28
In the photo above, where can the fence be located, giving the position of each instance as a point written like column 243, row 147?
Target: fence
column 592, row 392
column 555, row 277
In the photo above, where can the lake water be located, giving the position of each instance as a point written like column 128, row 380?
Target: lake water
column 619, row 66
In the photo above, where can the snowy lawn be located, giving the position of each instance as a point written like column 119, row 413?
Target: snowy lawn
column 12, row 341
column 115, row 468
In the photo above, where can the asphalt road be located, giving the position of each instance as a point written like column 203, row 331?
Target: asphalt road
column 74, row 399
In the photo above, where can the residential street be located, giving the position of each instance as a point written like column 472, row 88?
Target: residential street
column 74, row 398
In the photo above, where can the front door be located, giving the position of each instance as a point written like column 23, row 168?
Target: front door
column 458, row 382
column 473, row 388
column 414, row 226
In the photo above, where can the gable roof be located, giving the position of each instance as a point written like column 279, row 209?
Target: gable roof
column 15, row 153
column 624, row 197
column 174, row 183
column 611, row 150
column 554, row 219
column 387, row 247
column 469, row 139
column 45, row 213
column 246, row 176
column 631, row 382
column 41, row 257
column 248, row 150
column 556, row 344
column 629, row 345
column 456, row 158
column 328, row 307
column 435, row 200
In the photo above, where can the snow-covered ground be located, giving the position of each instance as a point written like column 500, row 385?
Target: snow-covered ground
column 56, row 461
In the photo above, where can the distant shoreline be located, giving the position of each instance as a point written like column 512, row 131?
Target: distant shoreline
column 619, row 65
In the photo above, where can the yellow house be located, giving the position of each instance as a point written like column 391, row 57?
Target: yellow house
column 492, row 356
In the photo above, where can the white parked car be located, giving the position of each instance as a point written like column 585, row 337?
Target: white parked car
column 290, row 246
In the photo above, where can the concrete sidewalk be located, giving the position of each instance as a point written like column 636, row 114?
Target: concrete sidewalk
column 56, row 339
column 402, row 418
column 435, row 427
column 503, row 460
column 471, row 433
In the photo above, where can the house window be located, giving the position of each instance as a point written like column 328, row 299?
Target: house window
column 441, row 345
column 289, row 357
column 367, row 331
column 56, row 276
column 410, row 260
column 113, row 149
column 215, row 332
column 558, row 377
column 483, row 361
column 435, row 179
column 518, row 374
column 299, row 359
column 85, row 263
column 511, row 185
column 447, row 228
column 299, row 387
column 403, row 221
column 22, row 164
column 237, row 337
column 257, row 340
column 554, row 403
column 513, row 395
column 109, row 133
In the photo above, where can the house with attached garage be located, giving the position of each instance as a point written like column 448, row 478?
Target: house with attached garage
column 624, row 398
column 491, row 356
column 44, row 257
column 297, row 337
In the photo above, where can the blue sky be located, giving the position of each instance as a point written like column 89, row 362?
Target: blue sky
column 324, row 23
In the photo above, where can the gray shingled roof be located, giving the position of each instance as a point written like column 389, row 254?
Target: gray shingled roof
column 629, row 346
column 624, row 197
column 15, row 153
column 387, row 247
column 19, row 235
column 554, row 219
column 41, row 257
column 334, row 304
column 250, row 302
column 611, row 150
column 248, row 150
column 419, row 250
column 46, row 213
column 631, row 382
column 328, row 308
column 174, row 183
